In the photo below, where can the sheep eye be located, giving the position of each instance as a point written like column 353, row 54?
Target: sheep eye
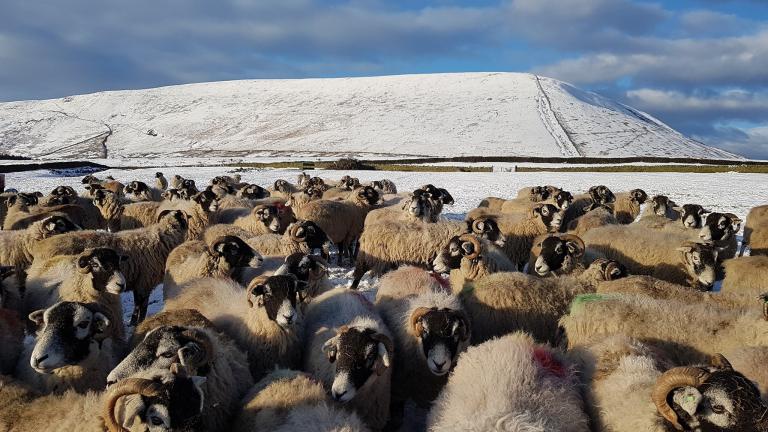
column 166, row 355
column 718, row 409
column 156, row 421
column 84, row 325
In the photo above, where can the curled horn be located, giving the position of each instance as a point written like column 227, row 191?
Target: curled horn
column 293, row 232
column 670, row 380
column 610, row 267
column 129, row 386
column 202, row 339
column 477, row 228
column 416, row 328
column 475, row 244
column 734, row 219
column 577, row 240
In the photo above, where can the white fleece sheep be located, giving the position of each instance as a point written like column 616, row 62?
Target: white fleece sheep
column 510, row 384
column 755, row 231
column 746, row 276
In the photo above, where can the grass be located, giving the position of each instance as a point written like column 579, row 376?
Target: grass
column 759, row 169
column 373, row 165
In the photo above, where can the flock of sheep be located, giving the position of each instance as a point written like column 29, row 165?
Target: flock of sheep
column 543, row 312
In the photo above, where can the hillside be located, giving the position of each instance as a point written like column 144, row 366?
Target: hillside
column 440, row 115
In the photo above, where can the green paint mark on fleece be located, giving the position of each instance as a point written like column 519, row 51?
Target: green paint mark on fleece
column 583, row 299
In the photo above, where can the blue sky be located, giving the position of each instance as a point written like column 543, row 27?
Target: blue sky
column 699, row 65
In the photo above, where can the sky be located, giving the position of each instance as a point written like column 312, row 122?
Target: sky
column 699, row 65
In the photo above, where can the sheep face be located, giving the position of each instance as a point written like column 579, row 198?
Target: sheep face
column 236, row 253
column 282, row 186
column 550, row 216
column 368, row 196
column 308, row 232
column 206, row 200
column 563, row 199
column 662, row 205
column 103, row 266
column 558, row 254
column 67, row 334
column 418, row 205
column 158, row 175
column 638, row 195
column 443, row 335
column 715, row 398
column 90, row 178
column 54, row 225
column 162, row 402
column 700, row 261
column 62, row 195
column 22, row 200
column 268, row 215
column 538, row 193
column 450, row 257
column 188, row 189
column 691, row 215
column 360, row 355
column 306, row 268
column 486, row 228
column 601, row 194
column 279, row 296
column 164, row 346
column 720, row 227
column 253, row 191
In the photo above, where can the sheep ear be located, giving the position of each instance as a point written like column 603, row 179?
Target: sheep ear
column 100, row 322
column 467, row 248
column 330, row 349
column 37, row 317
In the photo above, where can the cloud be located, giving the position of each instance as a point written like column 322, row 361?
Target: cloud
column 727, row 104
column 751, row 142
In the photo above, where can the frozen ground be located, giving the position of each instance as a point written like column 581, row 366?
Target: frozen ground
column 490, row 114
column 727, row 192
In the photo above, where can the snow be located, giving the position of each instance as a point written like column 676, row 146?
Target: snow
column 436, row 115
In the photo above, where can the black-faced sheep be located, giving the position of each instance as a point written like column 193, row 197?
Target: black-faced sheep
column 301, row 236
column 469, row 258
column 350, row 350
column 510, row 384
column 721, row 229
column 264, row 319
column 139, row 191
column 556, row 254
column 596, row 196
column 160, row 181
column 627, row 205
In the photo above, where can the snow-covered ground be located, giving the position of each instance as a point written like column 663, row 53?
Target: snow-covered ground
column 472, row 114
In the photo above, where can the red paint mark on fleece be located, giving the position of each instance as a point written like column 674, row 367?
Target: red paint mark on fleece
column 547, row 362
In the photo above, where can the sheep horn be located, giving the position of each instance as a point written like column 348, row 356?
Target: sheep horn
column 670, row 380
column 293, row 232
column 416, row 328
column 576, row 239
column 610, row 266
column 734, row 219
column 199, row 337
column 475, row 244
column 127, row 387
column 479, row 225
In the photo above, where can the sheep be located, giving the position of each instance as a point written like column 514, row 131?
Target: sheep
column 556, row 254
column 492, row 203
column 146, row 249
column 438, row 197
column 560, row 199
column 91, row 277
column 266, row 219
column 220, row 257
column 665, row 255
column 175, row 317
column 289, row 401
column 263, row 319
column 282, row 188
column 342, row 221
column 349, row 349
column 120, row 215
column 300, row 236
column 597, row 217
column 595, row 197
column 520, row 230
column 686, row 332
column 626, row 207
column 751, row 362
column 384, row 246
column 386, row 186
column 177, row 181
column 298, row 200
column 139, row 191
column 537, row 193
column 160, row 181
column 73, row 350
column 633, row 388
column 502, row 302
column 510, row 384
column 745, row 276
column 252, row 192
column 430, row 327
column 210, row 354
column 165, row 400
column 200, row 209
column 721, row 229
column 661, row 206
column 755, row 233
column 468, row 258
column 17, row 247
column 11, row 327
column 416, row 207
column 18, row 207
column 310, row 270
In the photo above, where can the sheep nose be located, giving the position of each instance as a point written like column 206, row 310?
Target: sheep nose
column 288, row 318
column 440, row 365
column 40, row 359
column 110, row 382
column 337, row 395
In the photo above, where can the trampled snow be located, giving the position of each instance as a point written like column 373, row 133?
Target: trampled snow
column 437, row 115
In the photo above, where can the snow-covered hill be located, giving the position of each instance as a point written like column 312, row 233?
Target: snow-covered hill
column 440, row 115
